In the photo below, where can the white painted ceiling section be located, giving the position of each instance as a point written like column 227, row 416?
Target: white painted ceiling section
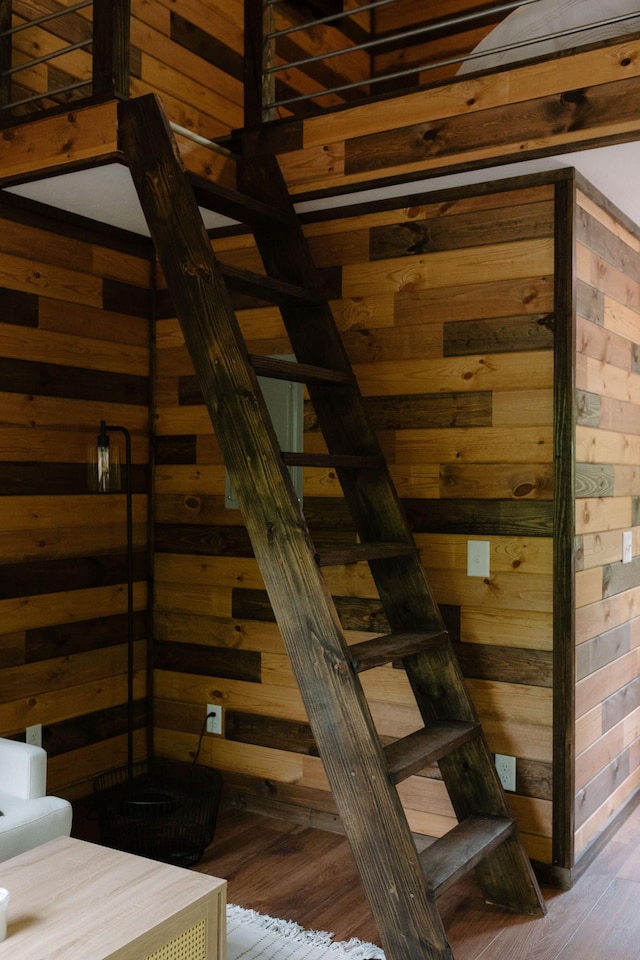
column 106, row 194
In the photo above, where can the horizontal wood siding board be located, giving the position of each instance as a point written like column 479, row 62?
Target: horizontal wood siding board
column 598, row 238
column 126, row 298
column 592, row 796
column 267, row 731
column 480, row 481
column 201, row 540
column 619, row 577
column 499, row 126
column 589, row 302
column 66, row 639
column 596, row 653
column 588, row 408
column 206, row 45
column 505, row 664
column 37, row 577
column 208, row 661
column 620, row 704
column 18, row 307
column 475, row 301
column 466, row 230
column 55, row 380
column 92, row 728
column 500, row 518
column 595, row 480
column 422, row 411
column 33, row 478
column 503, row 335
column 534, row 778
column 175, row 449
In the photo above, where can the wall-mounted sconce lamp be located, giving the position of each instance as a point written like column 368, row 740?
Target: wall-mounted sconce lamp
column 103, row 475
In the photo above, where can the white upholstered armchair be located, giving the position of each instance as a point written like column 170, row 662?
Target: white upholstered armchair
column 29, row 817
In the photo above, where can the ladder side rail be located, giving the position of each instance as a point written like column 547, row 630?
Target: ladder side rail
column 405, row 592
column 371, row 810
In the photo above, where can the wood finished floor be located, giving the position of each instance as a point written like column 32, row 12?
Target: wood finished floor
column 306, row 875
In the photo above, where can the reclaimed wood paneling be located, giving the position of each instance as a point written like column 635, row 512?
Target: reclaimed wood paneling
column 70, row 357
column 608, row 384
column 458, row 383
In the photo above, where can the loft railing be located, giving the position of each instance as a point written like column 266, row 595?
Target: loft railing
column 59, row 53
column 313, row 57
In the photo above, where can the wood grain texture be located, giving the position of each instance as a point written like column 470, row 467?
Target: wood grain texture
column 606, row 692
column 62, row 550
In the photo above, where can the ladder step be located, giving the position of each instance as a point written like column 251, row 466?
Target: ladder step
column 298, row 372
column 410, row 754
column 393, row 646
column 364, row 551
column 237, row 206
column 332, row 460
column 447, row 859
column 266, row 288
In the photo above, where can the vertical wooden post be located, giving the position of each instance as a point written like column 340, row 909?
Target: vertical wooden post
column 111, row 29
column 6, row 47
column 259, row 54
column 564, row 675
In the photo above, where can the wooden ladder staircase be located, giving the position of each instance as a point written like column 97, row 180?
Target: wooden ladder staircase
column 400, row 883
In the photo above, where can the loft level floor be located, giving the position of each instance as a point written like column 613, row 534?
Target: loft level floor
column 306, row 875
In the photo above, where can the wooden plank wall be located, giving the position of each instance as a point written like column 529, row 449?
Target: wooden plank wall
column 607, row 503
column 445, row 308
column 191, row 53
column 188, row 51
column 511, row 115
column 50, row 38
column 74, row 349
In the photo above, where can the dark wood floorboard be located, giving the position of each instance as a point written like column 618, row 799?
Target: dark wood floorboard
column 298, row 873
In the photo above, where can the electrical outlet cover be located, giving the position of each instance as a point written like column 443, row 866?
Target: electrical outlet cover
column 506, row 767
column 214, row 723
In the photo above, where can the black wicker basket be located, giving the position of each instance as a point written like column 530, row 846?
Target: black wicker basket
column 162, row 809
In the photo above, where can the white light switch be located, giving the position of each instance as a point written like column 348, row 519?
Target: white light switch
column 478, row 558
column 627, row 546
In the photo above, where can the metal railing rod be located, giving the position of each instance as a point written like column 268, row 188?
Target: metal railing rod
column 202, row 141
column 409, row 71
column 46, row 57
column 50, row 94
column 45, row 17
column 403, row 35
column 343, row 15
column 427, row 28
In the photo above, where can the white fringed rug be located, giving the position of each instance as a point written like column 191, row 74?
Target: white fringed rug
column 252, row 936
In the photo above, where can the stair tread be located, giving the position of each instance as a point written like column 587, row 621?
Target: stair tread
column 363, row 551
column 459, row 850
column 298, row 372
column 237, row 206
column 393, row 646
column 264, row 287
column 412, row 753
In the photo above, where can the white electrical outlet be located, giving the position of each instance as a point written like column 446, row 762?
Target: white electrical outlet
column 34, row 735
column 214, row 718
column 478, row 558
column 506, row 767
column 627, row 546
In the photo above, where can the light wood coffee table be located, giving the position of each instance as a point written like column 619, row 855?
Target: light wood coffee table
column 72, row 900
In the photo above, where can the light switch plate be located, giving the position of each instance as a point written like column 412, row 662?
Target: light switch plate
column 627, row 546
column 478, row 558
